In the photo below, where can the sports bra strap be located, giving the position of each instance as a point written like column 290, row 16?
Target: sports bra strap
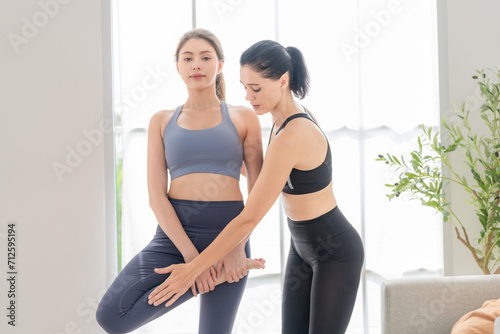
column 270, row 135
column 304, row 115
column 294, row 116
column 225, row 112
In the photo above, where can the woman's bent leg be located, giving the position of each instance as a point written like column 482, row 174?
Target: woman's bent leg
column 125, row 307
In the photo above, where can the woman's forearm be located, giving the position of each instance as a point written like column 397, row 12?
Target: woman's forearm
column 172, row 227
column 233, row 234
column 252, row 176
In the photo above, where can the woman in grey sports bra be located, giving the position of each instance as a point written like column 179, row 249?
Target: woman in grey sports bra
column 202, row 145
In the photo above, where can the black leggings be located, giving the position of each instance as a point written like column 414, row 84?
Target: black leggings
column 322, row 275
column 125, row 307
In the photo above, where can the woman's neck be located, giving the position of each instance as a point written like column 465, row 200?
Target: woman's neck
column 201, row 99
column 284, row 109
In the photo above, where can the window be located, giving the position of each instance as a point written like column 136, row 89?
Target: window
column 373, row 67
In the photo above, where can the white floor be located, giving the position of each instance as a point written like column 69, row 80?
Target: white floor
column 259, row 313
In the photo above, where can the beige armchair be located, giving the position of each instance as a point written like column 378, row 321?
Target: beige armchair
column 434, row 305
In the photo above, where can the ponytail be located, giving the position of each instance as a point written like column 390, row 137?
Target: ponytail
column 272, row 60
column 299, row 76
column 220, row 87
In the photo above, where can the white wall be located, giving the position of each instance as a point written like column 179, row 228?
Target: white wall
column 469, row 41
column 52, row 93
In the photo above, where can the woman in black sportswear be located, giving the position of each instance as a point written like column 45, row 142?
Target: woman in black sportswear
column 326, row 253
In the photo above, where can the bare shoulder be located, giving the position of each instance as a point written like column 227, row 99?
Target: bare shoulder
column 244, row 119
column 241, row 112
column 160, row 119
column 300, row 127
column 283, row 148
column 300, row 133
column 307, row 141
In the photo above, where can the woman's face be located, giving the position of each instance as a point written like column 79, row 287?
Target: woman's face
column 263, row 94
column 198, row 64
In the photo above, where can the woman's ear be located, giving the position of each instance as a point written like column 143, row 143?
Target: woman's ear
column 221, row 65
column 284, row 80
column 177, row 67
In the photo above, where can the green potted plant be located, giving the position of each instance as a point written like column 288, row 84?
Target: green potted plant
column 424, row 173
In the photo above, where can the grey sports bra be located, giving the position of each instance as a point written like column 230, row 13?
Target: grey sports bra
column 215, row 150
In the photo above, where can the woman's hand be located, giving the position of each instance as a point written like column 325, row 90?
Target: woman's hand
column 181, row 278
column 205, row 281
column 234, row 265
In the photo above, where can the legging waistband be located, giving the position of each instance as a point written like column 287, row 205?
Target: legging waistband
column 212, row 204
column 205, row 216
column 332, row 223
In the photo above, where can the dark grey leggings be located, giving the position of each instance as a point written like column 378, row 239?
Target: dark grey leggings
column 124, row 307
column 322, row 275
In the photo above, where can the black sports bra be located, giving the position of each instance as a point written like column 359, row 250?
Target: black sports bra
column 308, row 181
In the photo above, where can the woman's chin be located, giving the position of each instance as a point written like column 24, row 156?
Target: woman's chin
column 260, row 111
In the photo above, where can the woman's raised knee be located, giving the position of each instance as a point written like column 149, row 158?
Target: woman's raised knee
column 110, row 323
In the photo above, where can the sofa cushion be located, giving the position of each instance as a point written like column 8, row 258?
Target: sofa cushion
column 480, row 321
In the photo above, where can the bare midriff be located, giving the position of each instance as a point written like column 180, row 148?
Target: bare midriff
column 309, row 206
column 205, row 187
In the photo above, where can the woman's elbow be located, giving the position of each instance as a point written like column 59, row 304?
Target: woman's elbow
column 251, row 223
column 156, row 201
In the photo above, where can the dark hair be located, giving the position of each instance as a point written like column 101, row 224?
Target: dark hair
column 220, row 85
column 272, row 60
